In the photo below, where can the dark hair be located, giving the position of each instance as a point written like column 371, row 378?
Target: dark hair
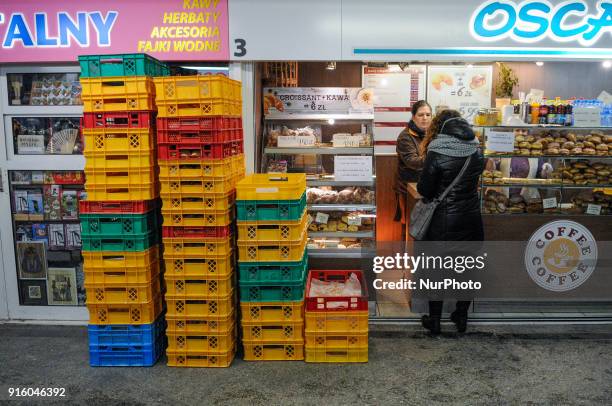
column 416, row 106
column 436, row 126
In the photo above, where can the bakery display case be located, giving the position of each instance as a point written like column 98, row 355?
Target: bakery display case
column 337, row 154
column 549, row 171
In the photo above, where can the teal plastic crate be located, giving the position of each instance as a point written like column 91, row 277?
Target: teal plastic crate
column 134, row 242
column 273, row 271
column 266, row 210
column 118, row 225
column 93, row 66
column 273, row 291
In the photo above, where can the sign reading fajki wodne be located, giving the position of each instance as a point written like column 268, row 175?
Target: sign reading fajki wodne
column 34, row 31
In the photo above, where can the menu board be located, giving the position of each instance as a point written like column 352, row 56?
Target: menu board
column 279, row 101
column 461, row 88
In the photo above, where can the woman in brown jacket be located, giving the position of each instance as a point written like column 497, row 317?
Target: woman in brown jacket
column 410, row 162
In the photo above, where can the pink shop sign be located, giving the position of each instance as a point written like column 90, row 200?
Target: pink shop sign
column 59, row 31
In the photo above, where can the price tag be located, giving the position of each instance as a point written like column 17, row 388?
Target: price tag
column 500, row 141
column 354, row 221
column 594, row 209
column 322, row 218
column 550, row 203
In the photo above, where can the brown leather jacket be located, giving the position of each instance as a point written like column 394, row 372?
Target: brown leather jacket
column 410, row 163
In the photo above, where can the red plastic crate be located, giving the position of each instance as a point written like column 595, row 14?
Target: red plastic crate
column 118, row 207
column 336, row 303
column 202, row 151
column 184, row 136
column 199, row 123
column 123, row 119
column 196, row 232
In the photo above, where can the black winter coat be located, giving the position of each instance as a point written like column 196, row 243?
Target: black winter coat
column 457, row 218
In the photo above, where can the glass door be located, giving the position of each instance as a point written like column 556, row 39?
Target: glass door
column 42, row 170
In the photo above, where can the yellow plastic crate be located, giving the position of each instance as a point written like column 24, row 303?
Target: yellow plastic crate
column 198, row 201
column 120, row 161
column 117, row 140
column 112, row 192
column 278, row 312
column 197, row 186
column 197, row 217
column 238, row 165
column 270, row 186
column 341, row 321
column 125, row 314
column 121, row 294
column 210, row 343
column 357, row 354
column 117, row 93
column 335, row 340
column 198, row 246
column 199, row 107
column 269, row 231
column 191, row 265
column 199, row 308
column 212, row 324
column 271, row 251
column 179, row 88
column 272, row 331
column 200, row 359
column 187, row 168
column 120, row 267
column 197, row 287
column 274, row 351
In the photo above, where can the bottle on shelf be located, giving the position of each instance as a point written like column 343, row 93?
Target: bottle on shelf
column 535, row 113
column 543, row 112
column 569, row 117
column 551, row 118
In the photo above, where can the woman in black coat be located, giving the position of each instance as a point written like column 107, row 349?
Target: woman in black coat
column 448, row 144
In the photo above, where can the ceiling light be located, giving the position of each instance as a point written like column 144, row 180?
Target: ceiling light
column 330, row 66
column 540, row 63
column 331, row 121
column 470, row 66
column 607, row 64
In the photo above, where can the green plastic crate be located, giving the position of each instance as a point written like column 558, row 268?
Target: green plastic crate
column 273, row 291
column 93, row 66
column 118, row 225
column 135, row 242
column 274, row 210
column 273, row 271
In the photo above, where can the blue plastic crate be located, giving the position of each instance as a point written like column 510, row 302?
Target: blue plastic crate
column 127, row 356
column 270, row 210
column 126, row 334
column 273, row 271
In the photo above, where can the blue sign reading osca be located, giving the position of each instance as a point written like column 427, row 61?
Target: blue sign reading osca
column 532, row 21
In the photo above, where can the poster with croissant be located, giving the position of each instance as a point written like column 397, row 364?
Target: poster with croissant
column 462, row 88
column 281, row 101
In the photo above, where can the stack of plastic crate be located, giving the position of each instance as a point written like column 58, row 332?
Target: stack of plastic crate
column 272, row 261
column 120, row 221
column 336, row 326
column 200, row 149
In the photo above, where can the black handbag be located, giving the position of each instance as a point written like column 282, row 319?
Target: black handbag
column 422, row 213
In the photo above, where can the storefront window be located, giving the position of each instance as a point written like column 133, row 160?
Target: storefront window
column 46, row 135
column 44, row 89
column 47, row 236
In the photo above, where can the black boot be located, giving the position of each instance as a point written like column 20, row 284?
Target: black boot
column 460, row 320
column 432, row 324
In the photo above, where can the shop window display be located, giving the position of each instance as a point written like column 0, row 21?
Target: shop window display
column 46, row 135
column 44, row 89
column 47, row 236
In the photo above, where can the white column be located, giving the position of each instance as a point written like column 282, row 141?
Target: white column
column 244, row 72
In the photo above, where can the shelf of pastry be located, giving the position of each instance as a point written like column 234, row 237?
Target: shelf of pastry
column 341, row 207
column 346, row 118
column 548, row 185
column 506, row 155
column 342, row 234
column 543, row 127
column 329, row 180
column 340, row 253
column 324, row 149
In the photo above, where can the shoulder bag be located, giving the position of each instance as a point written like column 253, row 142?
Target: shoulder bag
column 422, row 213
